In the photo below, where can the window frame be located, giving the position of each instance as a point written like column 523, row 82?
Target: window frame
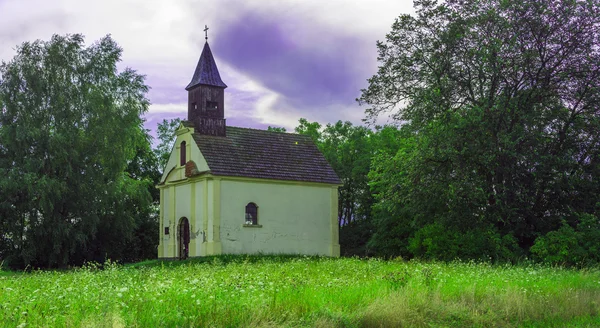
column 182, row 153
column 248, row 211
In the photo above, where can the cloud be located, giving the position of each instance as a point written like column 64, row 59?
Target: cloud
column 310, row 73
column 282, row 60
column 21, row 22
column 312, row 57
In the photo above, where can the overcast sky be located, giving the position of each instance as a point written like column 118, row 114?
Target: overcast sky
column 282, row 60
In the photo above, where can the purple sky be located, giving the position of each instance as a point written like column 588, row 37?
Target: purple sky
column 282, row 60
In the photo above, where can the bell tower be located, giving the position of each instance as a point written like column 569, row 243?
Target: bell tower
column 206, row 95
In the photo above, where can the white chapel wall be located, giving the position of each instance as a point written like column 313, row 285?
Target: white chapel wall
column 164, row 239
column 295, row 219
column 183, row 202
column 198, row 226
column 210, row 210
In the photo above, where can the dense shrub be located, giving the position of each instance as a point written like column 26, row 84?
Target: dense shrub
column 354, row 237
column 570, row 246
column 435, row 241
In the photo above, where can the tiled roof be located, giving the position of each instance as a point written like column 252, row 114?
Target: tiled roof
column 206, row 71
column 265, row 154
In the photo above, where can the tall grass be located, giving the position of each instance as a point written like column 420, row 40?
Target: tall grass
column 273, row 291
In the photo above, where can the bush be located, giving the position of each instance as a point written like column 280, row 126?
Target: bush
column 570, row 246
column 354, row 237
column 391, row 234
column 436, row 241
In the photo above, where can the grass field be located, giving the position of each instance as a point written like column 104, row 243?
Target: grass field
column 274, row 291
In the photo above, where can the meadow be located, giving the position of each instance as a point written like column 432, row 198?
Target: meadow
column 288, row 291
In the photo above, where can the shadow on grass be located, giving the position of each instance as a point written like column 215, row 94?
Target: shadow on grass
column 225, row 259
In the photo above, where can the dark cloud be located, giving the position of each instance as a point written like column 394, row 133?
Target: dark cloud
column 326, row 69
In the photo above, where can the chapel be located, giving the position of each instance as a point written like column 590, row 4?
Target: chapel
column 235, row 190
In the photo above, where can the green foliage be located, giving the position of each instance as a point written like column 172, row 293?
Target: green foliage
column 354, row 237
column 435, row 241
column 499, row 105
column 276, row 129
column 558, row 247
column 165, row 133
column 388, row 180
column 311, row 129
column 347, row 148
column 569, row 246
column 292, row 291
column 75, row 165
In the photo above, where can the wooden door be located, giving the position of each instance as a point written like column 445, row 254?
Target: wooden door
column 183, row 235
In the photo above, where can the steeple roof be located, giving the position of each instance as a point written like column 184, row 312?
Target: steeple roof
column 206, row 71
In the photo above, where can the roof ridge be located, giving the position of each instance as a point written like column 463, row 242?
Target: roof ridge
column 267, row 131
column 190, row 123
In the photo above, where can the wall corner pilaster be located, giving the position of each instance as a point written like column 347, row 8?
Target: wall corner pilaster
column 335, row 227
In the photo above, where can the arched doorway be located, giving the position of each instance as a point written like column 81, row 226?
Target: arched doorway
column 183, row 235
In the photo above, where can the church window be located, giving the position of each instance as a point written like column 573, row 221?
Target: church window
column 212, row 105
column 182, row 150
column 194, row 106
column 251, row 214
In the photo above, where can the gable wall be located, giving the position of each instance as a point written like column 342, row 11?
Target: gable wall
column 193, row 153
column 294, row 218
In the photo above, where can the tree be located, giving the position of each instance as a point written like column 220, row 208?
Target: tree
column 393, row 151
column 276, row 129
column 313, row 130
column 500, row 102
column 139, row 243
column 166, row 136
column 347, row 149
column 70, row 124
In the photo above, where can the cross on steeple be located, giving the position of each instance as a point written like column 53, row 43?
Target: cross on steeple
column 205, row 32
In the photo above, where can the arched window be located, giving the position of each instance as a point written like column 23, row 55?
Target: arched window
column 182, row 150
column 251, row 214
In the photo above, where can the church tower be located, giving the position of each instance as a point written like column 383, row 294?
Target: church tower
column 206, row 96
